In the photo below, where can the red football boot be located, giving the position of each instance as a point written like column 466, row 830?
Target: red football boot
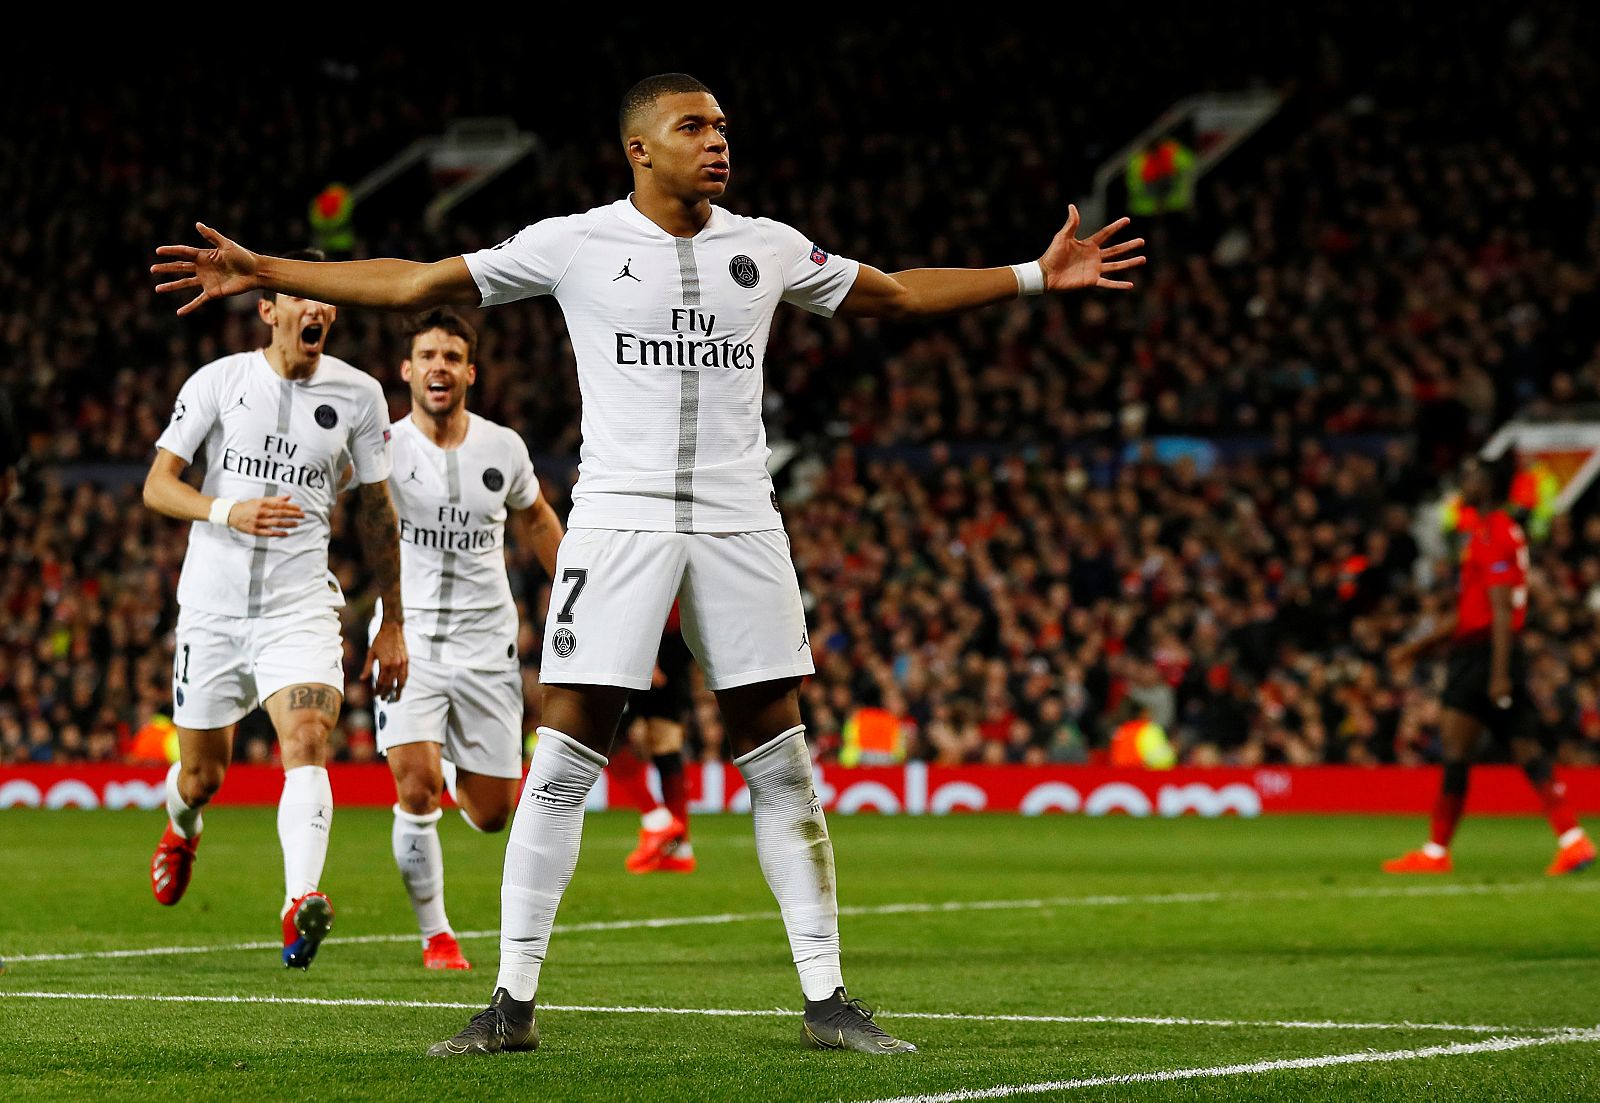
column 444, row 952
column 305, row 925
column 171, row 866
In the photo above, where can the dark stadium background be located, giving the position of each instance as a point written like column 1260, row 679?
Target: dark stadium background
column 1397, row 263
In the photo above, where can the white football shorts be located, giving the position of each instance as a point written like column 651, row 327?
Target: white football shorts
column 226, row 666
column 737, row 592
column 475, row 715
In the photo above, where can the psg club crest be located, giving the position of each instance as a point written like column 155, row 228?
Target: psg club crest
column 744, row 271
column 493, row 479
column 563, row 643
column 326, row 416
column 817, row 255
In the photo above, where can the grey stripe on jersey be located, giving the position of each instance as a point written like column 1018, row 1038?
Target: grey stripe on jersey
column 688, row 402
column 447, row 566
column 688, row 274
column 258, row 557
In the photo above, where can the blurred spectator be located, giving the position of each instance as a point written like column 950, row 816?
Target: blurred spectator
column 992, row 544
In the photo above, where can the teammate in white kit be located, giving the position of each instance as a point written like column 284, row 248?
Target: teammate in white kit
column 459, row 481
column 258, row 620
column 668, row 300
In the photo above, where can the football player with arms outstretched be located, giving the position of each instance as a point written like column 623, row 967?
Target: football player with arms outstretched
column 669, row 300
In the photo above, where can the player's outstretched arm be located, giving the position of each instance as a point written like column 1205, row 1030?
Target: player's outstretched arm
column 167, row 494
column 1069, row 264
column 224, row 268
column 379, row 528
column 539, row 528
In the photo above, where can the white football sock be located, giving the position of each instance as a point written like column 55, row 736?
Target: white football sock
column 796, row 856
column 185, row 820
column 415, row 840
column 541, row 854
column 305, row 815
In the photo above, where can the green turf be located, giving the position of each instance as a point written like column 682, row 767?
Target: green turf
column 1306, row 930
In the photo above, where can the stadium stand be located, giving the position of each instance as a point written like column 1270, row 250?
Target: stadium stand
column 997, row 547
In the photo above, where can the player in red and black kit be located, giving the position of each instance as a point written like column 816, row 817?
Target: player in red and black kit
column 1486, row 683
column 654, row 724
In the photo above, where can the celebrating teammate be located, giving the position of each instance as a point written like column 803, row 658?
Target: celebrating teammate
column 459, row 479
column 257, row 620
column 669, row 300
column 1485, row 686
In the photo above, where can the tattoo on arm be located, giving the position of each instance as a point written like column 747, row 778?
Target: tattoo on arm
column 321, row 698
column 380, row 542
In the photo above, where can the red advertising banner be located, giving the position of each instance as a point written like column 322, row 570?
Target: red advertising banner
column 915, row 789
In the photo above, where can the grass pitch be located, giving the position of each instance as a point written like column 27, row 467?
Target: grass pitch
column 1198, row 959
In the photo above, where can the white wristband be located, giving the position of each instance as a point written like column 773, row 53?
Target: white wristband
column 220, row 508
column 1030, row 278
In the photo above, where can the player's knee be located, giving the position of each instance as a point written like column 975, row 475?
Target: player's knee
column 417, row 793
column 1538, row 768
column 199, row 781
column 305, row 741
column 1455, row 778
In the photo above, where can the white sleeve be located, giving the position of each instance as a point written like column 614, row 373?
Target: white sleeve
column 369, row 439
column 812, row 279
column 529, row 263
column 193, row 414
column 524, row 490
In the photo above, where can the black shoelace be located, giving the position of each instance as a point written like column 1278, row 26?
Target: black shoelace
column 490, row 1020
column 865, row 1012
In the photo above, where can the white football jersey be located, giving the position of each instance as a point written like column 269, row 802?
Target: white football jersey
column 264, row 435
column 670, row 336
column 453, row 506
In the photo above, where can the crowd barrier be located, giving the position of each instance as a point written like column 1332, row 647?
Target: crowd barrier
column 914, row 789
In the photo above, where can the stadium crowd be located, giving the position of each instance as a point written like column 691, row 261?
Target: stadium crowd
column 991, row 550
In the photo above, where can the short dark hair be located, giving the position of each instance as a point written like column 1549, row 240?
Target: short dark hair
column 449, row 321
column 1502, row 473
column 307, row 253
column 638, row 99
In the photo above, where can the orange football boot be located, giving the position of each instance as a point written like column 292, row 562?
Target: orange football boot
column 652, row 844
column 1417, row 861
column 1576, row 855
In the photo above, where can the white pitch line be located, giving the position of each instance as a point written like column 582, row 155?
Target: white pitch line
column 913, row 908
column 1456, row 1049
column 777, row 1012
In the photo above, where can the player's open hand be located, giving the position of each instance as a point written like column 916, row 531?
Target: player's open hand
column 226, row 268
column 265, row 516
column 388, row 655
column 1070, row 264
